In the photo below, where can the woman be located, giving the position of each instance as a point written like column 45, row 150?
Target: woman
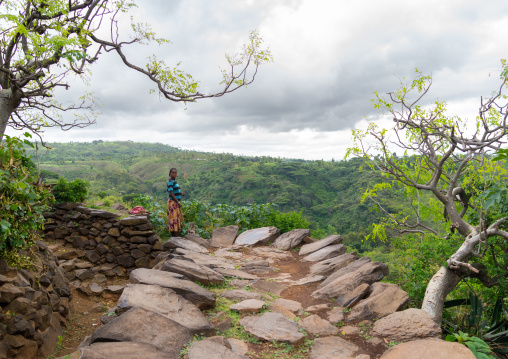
column 175, row 217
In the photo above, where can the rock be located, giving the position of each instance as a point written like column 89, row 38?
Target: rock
column 271, row 253
column 197, row 239
column 317, row 326
column 330, row 265
column 120, row 350
column 193, row 271
column 224, row 236
column 84, row 274
column 260, row 236
column 429, row 349
column 257, row 267
column 351, row 267
column 308, row 240
column 235, row 273
column 210, row 349
column 318, row 308
column 238, row 346
column 209, row 261
column 349, row 330
column 272, row 326
column 290, row 305
column 167, row 303
column 336, row 315
column 248, row 306
column 409, row 324
column 312, row 247
column 333, row 348
column 240, row 294
column 144, row 326
column 179, row 242
column 349, row 299
column 133, row 220
column 96, row 289
column 368, row 273
column 383, row 299
column 191, row 291
column 268, row 286
column 309, row 280
column 325, row 253
column 69, row 253
column 115, row 289
column 291, row 239
column 9, row 292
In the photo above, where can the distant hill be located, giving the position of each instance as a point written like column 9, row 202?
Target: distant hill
column 328, row 193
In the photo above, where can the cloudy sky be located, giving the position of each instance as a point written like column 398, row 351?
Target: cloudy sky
column 330, row 56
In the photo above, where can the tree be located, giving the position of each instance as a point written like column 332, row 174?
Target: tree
column 43, row 41
column 446, row 159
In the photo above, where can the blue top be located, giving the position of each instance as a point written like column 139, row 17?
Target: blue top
column 175, row 188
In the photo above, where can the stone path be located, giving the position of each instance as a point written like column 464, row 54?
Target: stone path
column 320, row 301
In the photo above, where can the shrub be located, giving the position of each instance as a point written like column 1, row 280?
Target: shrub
column 70, row 191
column 22, row 199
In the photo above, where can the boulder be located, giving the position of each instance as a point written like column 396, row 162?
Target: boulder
column 317, row 326
column 224, row 236
column 191, row 291
column 410, row 324
column 272, row 326
column 330, row 265
column 333, row 348
column 309, row 280
column 349, row 300
column 179, row 242
column 209, row 261
column 326, row 253
column 193, row 271
column 315, row 246
column 351, row 267
column 429, row 349
column 383, row 299
column 211, row 349
column 144, row 326
column 341, row 287
column 257, row 236
column 167, row 303
column 257, row 267
column 248, row 306
column 271, row 253
column 291, row 239
column 235, row 273
column 120, row 350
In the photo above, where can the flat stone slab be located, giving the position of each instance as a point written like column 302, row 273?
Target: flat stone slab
column 179, row 242
column 167, row 303
column 224, row 236
column 429, row 348
column 333, row 348
column 211, row 349
column 209, row 261
column 312, row 247
column 309, row 280
column 272, row 326
column 240, row 294
column 409, row 324
column 292, row 305
column 330, row 265
column 331, row 251
column 197, row 239
column 351, row 267
column 268, row 287
column 271, row 253
column 235, row 273
column 193, row 271
column 317, row 326
column 318, row 308
column 291, row 239
column 257, row 236
column 144, row 326
column 336, row 315
column 248, row 306
column 120, row 350
column 191, row 291
column 383, row 299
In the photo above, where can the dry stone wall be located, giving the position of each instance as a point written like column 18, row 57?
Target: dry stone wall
column 103, row 238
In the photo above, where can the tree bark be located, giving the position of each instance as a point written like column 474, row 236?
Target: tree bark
column 6, row 109
column 441, row 284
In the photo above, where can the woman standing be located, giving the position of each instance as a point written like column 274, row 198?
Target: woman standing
column 174, row 212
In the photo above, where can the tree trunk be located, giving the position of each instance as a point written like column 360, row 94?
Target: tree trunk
column 441, row 284
column 6, row 109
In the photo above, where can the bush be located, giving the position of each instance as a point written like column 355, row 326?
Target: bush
column 22, row 199
column 70, row 191
column 286, row 221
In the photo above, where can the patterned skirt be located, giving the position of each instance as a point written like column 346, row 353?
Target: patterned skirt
column 175, row 217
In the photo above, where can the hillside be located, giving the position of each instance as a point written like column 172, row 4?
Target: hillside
column 328, row 193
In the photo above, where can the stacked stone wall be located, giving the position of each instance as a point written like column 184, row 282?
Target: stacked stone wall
column 104, row 238
column 34, row 306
